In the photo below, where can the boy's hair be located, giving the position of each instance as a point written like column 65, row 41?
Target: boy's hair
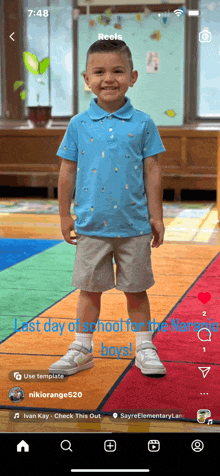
column 102, row 46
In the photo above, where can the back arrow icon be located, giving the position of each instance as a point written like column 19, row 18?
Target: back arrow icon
column 11, row 36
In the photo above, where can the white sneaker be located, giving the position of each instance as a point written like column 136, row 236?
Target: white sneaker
column 77, row 358
column 147, row 359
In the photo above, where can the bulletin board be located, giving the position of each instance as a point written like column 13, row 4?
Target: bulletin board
column 157, row 45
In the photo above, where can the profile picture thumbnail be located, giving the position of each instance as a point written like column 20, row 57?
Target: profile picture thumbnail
column 16, row 394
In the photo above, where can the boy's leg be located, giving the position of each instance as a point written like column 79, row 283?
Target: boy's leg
column 139, row 309
column 147, row 359
column 88, row 311
column 79, row 357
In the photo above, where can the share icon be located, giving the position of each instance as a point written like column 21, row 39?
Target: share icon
column 204, row 370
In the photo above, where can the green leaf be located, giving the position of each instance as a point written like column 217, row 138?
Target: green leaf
column 23, row 94
column 30, row 62
column 17, row 84
column 43, row 65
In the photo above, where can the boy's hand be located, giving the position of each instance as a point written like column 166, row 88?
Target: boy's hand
column 68, row 225
column 158, row 232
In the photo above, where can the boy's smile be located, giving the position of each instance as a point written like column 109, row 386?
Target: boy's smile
column 109, row 76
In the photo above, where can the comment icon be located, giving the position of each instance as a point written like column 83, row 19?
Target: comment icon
column 206, row 337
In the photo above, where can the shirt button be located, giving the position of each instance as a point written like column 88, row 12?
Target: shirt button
column 109, row 117
column 110, row 129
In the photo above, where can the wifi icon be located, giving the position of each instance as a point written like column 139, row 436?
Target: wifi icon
column 178, row 12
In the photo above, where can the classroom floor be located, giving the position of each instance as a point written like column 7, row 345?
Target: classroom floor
column 192, row 241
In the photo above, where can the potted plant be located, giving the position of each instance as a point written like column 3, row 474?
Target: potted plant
column 38, row 115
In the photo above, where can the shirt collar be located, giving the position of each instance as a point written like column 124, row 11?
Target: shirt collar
column 95, row 112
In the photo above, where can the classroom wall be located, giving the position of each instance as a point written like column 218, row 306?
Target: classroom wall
column 160, row 94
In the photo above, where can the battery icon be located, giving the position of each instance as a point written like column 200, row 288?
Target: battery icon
column 193, row 13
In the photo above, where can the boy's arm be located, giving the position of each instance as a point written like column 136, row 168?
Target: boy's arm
column 153, row 188
column 66, row 186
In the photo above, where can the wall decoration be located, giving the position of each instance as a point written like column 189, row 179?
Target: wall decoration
column 170, row 113
column 138, row 17
column 153, row 62
column 165, row 19
column 92, row 23
column 118, row 24
column 147, row 12
column 108, row 12
column 155, row 35
column 105, row 18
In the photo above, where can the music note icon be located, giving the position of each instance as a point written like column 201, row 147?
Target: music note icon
column 16, row 415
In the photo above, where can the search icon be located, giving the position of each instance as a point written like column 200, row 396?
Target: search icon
column 68, row 447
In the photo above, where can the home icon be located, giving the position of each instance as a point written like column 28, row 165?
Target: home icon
column 22, row 445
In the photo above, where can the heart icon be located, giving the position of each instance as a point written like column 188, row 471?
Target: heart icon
column 204, row 297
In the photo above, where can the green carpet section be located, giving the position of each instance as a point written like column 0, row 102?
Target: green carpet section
column 32, row 286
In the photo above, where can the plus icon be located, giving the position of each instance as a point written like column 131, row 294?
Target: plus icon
column 110, row 445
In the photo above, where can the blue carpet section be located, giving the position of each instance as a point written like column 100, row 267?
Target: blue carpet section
column 13, row 250
column 37, row 275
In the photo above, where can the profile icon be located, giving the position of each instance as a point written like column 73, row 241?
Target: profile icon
column 16, row 394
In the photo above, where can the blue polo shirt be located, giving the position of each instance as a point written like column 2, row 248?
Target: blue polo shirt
column 109, row 149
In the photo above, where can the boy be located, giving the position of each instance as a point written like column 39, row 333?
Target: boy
column 110, row 156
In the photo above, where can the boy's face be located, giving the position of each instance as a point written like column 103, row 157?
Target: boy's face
column 109, row 70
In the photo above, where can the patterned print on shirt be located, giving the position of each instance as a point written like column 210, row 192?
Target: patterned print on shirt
column 116, row 170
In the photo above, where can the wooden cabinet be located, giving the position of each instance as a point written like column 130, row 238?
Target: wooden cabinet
column 28, row 157
column 191, row 158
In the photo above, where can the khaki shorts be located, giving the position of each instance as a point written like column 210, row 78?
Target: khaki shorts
column 93, row 267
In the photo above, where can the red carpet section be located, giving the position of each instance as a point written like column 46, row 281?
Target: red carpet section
column 184, row 390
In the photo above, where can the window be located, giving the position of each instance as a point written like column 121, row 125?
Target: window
column 53, row 35
column 49, row 32
column 208, row 72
